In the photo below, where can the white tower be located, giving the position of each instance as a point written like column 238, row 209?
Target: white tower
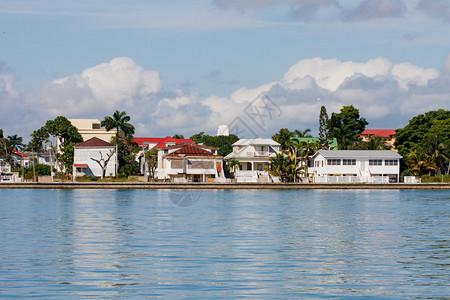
column 223, row 130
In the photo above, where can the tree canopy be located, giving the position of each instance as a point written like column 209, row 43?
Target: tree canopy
column 223, row 142
column 346, row 126
column 67, row 135
column 427, row 134
column 123, row 141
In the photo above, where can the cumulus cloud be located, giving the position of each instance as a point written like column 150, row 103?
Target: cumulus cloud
column 387, row 95
column 436, row 8
column 102, row 88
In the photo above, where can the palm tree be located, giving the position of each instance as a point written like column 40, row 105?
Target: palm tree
column 283, row 137
column 435, row 148
column 4, row 145
column 284, row 167
column 419, row 162
column 233, row 164
column 304, row 133
column 118, row 121
column 15, row 142
column 377, row 143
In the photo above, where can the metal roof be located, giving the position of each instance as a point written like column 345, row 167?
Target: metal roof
column 369, row 154
column 257, row 141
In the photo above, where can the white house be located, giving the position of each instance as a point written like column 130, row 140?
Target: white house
column 372, row 166
column 253, row 156
column 148, row 143
column 190, row 163
column 5, row 173
column 92, row 156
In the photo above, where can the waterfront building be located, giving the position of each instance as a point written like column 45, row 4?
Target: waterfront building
column 89, row 128
column 388, row 135
column 190, row 163
column 369, row 166
column 253, row 156
column 92, row 156
column 148, row 143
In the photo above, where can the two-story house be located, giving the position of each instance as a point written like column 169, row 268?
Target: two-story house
column 371, row 166
column 190, row 163
column 253, row 156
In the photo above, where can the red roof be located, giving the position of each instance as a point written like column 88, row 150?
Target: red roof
column 80, row 165
column 161, row 142
column 94, row 142
column 385, row 133
column 191, row 150
column 19, row 153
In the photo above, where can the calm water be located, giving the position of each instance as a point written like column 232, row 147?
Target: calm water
column 326, row 244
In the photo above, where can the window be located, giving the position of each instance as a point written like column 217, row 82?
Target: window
column 375, row 162
column 333, row 162
column 349, row 162
column 391, row 162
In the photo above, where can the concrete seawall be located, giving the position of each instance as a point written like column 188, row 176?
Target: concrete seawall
column 268, row 186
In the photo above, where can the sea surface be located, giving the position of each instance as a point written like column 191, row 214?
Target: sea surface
column 225, row 244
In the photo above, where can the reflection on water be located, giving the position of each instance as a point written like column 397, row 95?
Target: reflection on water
column 229, row 244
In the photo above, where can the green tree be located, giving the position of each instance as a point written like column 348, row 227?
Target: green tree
column 67, row 136
column 437, row 150
column 151, row 159
column 178, row 136
column 223, row 142
column 284, row 167
column 411, row 136
column 304, row 133
column 428, row 133
column 283, row 137
column 233, row 165
column 15, row 142
column 120, row 122
column 419, row 162
column 323, row 129
column 38, row 138
column 4, row 146
column 374, row 143
column 346, row 126
column 198, row 137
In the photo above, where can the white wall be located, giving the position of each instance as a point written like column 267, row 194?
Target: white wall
column 83, row 156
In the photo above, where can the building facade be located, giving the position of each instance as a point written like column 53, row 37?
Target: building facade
column 253, row 156
column 87, row 156
column 388, row 135
column 89, row 128
column 369, row 166
column 190, row 163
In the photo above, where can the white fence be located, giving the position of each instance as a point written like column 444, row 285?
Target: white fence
column 351, row 179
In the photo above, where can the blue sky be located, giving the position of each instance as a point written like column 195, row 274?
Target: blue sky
column 189, row 66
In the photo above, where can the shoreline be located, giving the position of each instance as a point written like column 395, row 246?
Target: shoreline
column 267, row 186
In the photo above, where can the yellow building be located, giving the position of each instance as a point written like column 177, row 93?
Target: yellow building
column 89, row 128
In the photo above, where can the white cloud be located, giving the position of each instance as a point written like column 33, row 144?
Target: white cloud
column 387, row 94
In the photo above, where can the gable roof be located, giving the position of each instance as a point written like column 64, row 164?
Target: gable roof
column 385, row 133
column 192, row 150
column 19, row 153
column 257, row 141
column 367, row 154
column 94, row 142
